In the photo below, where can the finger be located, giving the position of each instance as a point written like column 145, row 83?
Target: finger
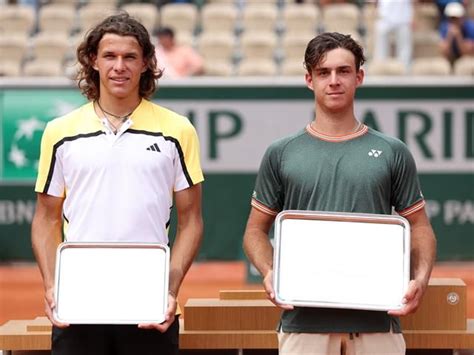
column 59, row 324
column 55, row 322
column 147, row 325
column 163, row 327
column 50, row 314
column 268, row 286
column 270, row 295
column 411, row 292
column 402, row 312
column 409, row 307
column 286, row 307
column 269, row 290
column 398, row 312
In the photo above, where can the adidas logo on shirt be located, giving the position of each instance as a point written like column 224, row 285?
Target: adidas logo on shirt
column 154, row 147
column 375, row 153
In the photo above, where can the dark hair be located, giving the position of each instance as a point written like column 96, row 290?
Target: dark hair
column 165, row 31
column 323, row 43
column 123, row 25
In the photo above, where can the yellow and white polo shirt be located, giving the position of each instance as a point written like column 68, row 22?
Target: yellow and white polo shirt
column 118, row 187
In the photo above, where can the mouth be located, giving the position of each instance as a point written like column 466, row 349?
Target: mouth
column 335, row 93
column 119, row 80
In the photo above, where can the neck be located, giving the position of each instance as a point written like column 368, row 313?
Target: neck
column 119, row 107
column 335, row 124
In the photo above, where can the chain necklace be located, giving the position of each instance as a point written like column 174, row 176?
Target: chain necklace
column 354, row 130
column 121, row 118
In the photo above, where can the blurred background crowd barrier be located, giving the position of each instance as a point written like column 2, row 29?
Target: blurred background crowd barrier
column 234, row 37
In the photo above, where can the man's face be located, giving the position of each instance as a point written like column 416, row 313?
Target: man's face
column 120, row 64
column 334, row 80
column 166, row 41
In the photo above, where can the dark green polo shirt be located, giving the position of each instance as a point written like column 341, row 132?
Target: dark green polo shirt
column 365, row 172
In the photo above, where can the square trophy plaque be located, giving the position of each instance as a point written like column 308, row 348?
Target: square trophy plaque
column 111, row 283
column 341, row 260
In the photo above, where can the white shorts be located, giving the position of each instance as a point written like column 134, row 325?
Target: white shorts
column 341, row 343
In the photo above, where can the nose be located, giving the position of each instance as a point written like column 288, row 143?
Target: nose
column 334, row 78
column 119, row 64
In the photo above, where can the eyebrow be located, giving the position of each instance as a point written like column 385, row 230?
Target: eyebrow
column 106, row 52
column 328, row 68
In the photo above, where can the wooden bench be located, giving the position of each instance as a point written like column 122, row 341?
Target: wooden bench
column 244, row 322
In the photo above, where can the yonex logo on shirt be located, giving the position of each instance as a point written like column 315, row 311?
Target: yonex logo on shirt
column 375, row 153
column 154, row 147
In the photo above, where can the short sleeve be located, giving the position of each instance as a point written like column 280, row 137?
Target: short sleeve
column 188, row 170
column 50, row 179
column 406, row 192
column 267, row 195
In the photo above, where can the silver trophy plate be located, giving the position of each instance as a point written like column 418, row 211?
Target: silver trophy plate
column 111, row 283
column 341, row 260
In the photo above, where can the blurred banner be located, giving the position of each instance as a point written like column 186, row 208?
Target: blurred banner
column 236, row 121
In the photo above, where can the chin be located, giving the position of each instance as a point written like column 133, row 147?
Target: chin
column 119, row 94
column 336, row 108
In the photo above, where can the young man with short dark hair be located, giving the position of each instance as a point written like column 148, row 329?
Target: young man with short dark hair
column 327, row 166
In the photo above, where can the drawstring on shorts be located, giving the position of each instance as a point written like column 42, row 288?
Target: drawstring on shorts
column 351, row 335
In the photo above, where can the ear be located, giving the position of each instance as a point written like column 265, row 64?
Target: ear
column 360, row 77
column 94, row 63
column 145, row 67
column 309, row 81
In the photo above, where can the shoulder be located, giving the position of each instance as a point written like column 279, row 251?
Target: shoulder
column 65, row 125
column 279, row 149
column 169, row 120
column 385, row 139
column 283, row 143
column 163, row 112
column 392, row 146
column 70, row 117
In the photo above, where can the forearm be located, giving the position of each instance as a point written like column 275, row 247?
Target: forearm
column 423, row 253
column 45, row 237
column 187, row 242
column 258, row 249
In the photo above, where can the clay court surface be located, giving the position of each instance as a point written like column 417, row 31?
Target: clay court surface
column 21, row 290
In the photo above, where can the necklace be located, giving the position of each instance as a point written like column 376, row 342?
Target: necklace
column 121, row 119
column 355, row 129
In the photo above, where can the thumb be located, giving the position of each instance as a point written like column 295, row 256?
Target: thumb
column 411, row 291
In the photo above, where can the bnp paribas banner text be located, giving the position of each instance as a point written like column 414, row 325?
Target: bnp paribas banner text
column 235, row 125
